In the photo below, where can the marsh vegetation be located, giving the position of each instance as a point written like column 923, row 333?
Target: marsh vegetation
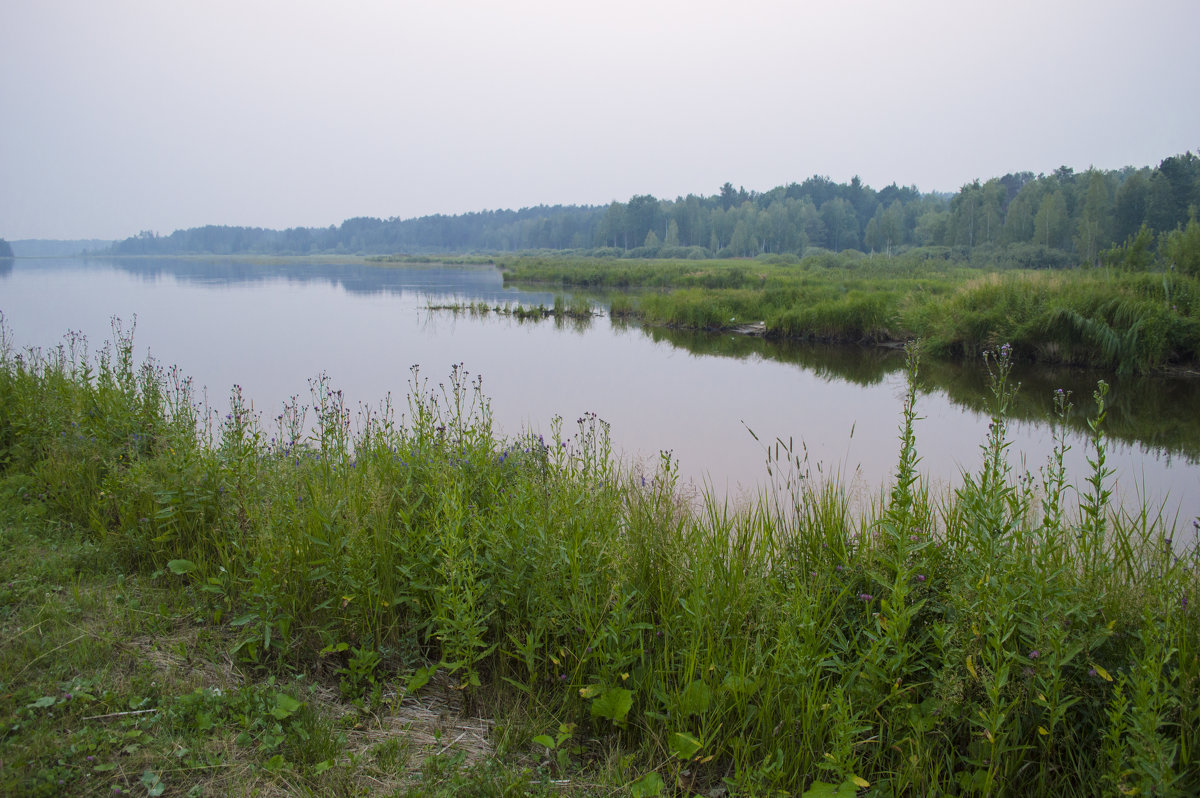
column 1121, row 320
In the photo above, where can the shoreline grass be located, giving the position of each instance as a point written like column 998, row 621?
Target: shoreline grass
column 196, row 605
column 1123, row 321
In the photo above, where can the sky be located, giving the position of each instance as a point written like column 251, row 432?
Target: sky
column 123, row 116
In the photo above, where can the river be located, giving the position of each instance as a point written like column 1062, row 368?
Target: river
column 271, row 326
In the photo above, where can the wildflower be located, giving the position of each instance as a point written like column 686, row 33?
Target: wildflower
column 920, row 577
column 1092, row 672
column 1035, row 654
column 867, row 597
column 839, row 569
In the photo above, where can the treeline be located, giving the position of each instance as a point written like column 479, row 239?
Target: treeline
column 5, row 249
column 555, row 227
column 1063, row 218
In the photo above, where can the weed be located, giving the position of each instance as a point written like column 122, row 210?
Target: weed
column 986, row 641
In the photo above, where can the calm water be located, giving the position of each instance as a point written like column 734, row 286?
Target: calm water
column 270, row 328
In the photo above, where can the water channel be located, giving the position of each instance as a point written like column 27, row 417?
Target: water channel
column 271, row 326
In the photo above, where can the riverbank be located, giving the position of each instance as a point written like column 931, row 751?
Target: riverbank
column 1121, row 320
column 279, row 598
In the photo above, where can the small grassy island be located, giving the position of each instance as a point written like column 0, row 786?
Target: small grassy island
column 406, row 604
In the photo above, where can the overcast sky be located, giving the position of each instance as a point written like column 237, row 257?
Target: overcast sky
column 120, row 116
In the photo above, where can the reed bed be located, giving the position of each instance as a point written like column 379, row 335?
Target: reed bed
column 988, row 641
column 1123, row 321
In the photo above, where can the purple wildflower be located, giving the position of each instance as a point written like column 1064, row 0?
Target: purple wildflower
column 1035, row 654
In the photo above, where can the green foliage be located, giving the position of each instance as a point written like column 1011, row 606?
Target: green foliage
column 1182, row 248
column 992, row 640
column 1134, row 255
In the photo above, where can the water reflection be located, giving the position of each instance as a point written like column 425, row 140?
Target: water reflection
column 270, row 326
column 355, row 276
column 857, row 364
column 1157, row 413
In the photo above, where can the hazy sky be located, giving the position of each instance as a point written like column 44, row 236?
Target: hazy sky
column 120, row 116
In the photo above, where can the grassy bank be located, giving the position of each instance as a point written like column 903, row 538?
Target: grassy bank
column 200, row 606
column 1124, row 321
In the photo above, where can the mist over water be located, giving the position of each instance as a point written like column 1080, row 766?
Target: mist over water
column 272, row 327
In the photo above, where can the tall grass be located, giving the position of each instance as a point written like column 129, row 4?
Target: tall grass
column 986, row 641
column 1125, row 322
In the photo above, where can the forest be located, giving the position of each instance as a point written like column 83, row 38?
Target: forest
column 1065, row 218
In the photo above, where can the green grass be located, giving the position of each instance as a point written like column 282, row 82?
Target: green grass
column 1122, row 321
column 239, row 605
